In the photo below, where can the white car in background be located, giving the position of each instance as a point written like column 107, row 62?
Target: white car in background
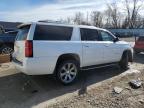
column 64, row 50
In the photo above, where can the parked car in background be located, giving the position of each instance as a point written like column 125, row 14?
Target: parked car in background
column 139, row 45
column 63, row 50
column 7, row 42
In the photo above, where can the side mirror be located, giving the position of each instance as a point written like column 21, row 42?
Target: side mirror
column 116, row 39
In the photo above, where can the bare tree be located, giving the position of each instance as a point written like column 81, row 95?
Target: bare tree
column 108, row 20
column 79, row 18
column 132, row 9
column 69, row 20
column 114, row 15
column 97, row 18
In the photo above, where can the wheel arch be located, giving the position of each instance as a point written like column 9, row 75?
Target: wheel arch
column 130, row 55
column 67, row 56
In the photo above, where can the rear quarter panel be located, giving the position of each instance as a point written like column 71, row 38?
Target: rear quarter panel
column 46, row 53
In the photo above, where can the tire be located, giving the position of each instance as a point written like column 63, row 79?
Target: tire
column 6, row 50
column 124, row 61
column 67, row 72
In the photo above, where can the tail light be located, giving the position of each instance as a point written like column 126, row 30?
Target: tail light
column 28, row 48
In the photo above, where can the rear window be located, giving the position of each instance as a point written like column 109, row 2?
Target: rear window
column 22, row 33
column 48, row 32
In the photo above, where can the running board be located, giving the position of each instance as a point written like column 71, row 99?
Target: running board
column 98, row 66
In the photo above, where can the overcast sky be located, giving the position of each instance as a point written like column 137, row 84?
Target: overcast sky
column 34, row 10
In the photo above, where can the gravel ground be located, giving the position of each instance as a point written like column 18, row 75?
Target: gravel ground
column 94, row 89
column 104, row 96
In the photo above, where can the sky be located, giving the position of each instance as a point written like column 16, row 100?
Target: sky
column 34, row 10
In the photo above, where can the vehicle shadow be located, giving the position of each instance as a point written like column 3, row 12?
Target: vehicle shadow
column 23, row 91
column 139, row 58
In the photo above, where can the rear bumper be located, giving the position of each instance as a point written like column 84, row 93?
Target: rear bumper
column 19, row 65
column 17, row 62
column 35, row 66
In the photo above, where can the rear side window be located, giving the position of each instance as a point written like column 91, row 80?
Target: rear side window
column 89, row 34
column 22, row 34
column 48, row 32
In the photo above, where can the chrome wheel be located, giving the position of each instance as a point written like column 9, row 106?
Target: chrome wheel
column 68, row 72
column 7, row 50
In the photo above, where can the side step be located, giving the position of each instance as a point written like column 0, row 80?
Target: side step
column 99, row 66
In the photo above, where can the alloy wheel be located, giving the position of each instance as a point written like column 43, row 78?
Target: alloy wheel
column 7, row 50
column 68, row 72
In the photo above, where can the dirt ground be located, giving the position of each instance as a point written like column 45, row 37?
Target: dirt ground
column 94, row 89
column 104, row 97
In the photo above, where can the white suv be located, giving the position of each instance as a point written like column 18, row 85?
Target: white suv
column 64, row 50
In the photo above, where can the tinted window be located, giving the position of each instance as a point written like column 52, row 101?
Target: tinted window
column 22, row 34
column 106, row 36
column 141, row 39
column 47, row 32
column 89, row 34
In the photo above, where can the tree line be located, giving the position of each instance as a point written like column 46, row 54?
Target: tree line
column 125, row 16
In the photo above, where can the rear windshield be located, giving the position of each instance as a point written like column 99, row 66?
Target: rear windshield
column 22, row 34
column 141, row 39
column 49, row 32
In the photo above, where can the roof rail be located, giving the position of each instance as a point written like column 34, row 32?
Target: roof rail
column 51, row 21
